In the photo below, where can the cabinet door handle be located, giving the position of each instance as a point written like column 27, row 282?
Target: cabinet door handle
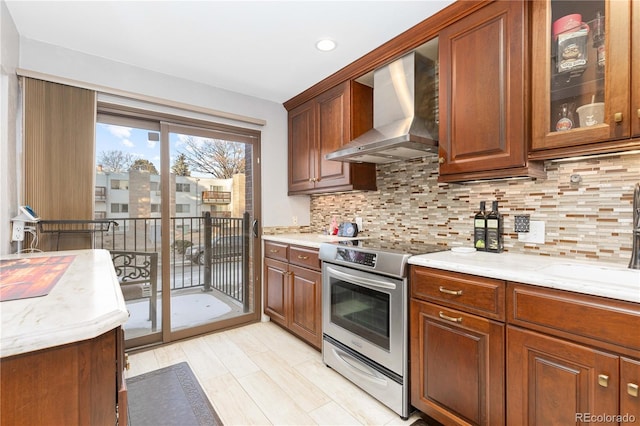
column 632, row 389
column 617, row 117
column 301, row 257
column 603, row 380
column 441, row 160
column 452, row 292
column 638, row 112
column 448, row 318
column 274, row 251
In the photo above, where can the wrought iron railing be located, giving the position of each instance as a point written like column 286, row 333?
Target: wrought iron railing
column 208, row 252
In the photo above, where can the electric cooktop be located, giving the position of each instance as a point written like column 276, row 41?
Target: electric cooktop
column 376, row 255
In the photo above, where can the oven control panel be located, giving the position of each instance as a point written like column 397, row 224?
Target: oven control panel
column 356, row 256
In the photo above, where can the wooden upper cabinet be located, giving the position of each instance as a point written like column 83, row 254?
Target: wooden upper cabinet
column 301, row 147
column 599, row 92
column 483, row 102
column 333, row 131
column 322, row 125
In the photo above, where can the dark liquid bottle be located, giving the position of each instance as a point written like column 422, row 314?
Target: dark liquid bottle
column 495, row 225
column 480, row 228
column 598, row 43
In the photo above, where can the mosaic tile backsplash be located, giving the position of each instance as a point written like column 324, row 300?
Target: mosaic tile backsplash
column 588, row 219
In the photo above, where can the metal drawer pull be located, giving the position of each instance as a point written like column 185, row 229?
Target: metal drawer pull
column 632, row 389
column 603, row 380
column 301, row 257
column 453, row 292
column 448, row 318
column 274, row 251
column 617, row 117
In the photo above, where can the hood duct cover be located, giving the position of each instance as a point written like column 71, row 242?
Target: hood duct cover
column 405, row 114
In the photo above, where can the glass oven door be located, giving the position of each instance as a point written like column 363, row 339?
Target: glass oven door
column 367, row 313
column 362, row 311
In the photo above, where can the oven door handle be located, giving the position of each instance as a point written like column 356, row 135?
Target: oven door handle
column 366, row 282
column 357, row 367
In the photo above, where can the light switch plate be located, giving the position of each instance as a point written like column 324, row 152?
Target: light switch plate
column 536, row 233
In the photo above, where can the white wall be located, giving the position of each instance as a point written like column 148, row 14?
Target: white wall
column 277, row 207
column 9, row 91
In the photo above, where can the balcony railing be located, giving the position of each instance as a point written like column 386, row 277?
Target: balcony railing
column 208, row 252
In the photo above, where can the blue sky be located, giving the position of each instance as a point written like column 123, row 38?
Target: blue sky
column 136, row 142
column 129, row 140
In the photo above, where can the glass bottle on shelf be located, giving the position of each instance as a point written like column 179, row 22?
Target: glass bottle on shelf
column 565, row 119
column 598, row 42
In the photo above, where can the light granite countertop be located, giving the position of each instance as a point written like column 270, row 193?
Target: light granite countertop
column 84, row 303
column 307, row 239
column 594, row 278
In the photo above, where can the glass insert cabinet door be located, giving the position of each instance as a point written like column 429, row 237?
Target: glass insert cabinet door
column 581, row 54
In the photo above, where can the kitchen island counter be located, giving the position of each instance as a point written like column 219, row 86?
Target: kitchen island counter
column 594, row 278
column 85, row 302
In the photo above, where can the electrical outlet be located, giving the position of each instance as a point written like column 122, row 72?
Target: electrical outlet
column 536, row 233
column 294, row 220
column 359, row 223
column 18, row 231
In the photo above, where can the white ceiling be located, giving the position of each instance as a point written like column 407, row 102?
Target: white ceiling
column 259, row 48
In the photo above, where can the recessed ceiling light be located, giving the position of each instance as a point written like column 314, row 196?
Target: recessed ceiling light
column 326, row 45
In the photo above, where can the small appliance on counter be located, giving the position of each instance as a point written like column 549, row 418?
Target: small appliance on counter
column 348, row 229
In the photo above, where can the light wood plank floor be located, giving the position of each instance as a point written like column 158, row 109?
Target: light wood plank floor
column 261, row 375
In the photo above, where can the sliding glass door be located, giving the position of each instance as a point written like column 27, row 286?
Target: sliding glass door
column 211, row 212
column 183, row 198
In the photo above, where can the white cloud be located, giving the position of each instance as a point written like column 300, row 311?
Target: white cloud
column 128, row 143
column 119, row 131
column 152, row 144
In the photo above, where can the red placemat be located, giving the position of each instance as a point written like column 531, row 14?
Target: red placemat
column 31, row 277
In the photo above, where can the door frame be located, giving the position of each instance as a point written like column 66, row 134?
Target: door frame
column 165, row 122
column 167, row 127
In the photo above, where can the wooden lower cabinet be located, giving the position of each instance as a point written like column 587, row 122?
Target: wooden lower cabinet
column 73, row 384
column 571, row 358
column 535, row 356
column 457, row 365
column 306, row 304
column 276, row 276
column 630, row 389
column 293, row 293
column 555, row 382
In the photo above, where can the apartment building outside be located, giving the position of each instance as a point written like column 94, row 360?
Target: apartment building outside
column 137, row 194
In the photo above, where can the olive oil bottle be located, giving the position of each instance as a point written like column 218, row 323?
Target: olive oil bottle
column 480, row 228
column 495, row 242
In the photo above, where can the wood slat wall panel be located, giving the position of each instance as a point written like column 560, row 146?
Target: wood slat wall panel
column 59, row 133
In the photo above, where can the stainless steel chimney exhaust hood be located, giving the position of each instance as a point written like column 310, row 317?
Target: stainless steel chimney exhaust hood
column 405, row 108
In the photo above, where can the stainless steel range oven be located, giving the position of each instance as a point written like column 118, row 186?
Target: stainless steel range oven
column 365, row 299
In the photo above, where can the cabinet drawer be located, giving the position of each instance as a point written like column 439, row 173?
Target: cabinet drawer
column 483, row 296
column 304, row 256
column 610, row 324
column 278, row 251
